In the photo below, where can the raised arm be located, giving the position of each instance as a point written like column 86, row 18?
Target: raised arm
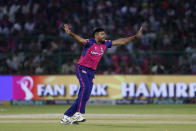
column 126, row 40
column 75, row 36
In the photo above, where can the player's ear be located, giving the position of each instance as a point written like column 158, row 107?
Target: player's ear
column 96, row 34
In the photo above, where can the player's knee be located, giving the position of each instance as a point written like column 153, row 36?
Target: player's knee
column 86, row 98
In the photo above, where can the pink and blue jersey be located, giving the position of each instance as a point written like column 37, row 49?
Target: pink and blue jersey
column 93, row 52
column 85, row 68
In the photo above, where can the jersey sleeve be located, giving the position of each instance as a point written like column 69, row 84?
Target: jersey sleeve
column 108, row 43
column 89, row 42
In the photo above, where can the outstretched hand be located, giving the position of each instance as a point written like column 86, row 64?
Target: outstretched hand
column 139, row 33
column 66, row 28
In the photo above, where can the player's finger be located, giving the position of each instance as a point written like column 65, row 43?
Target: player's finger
column 65, row 26
column 140, row 28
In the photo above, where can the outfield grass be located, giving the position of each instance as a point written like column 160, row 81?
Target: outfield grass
column 145, row 118
column 109, row 109
column 94, row 127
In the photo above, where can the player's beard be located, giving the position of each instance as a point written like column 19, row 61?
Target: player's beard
column 102, row 40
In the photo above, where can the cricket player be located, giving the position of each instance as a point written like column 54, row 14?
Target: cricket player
column 93, row 50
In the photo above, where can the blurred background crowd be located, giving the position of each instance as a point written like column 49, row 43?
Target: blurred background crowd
column 32, row 40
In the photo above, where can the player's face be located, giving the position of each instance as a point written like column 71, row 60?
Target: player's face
column 101, row 36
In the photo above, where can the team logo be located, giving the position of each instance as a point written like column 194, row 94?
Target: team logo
column 23, row 88
column 97, row 53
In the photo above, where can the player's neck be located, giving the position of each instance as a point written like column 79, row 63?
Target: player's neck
column 99, row 43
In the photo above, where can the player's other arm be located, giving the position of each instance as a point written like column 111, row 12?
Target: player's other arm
column 75, row 36
column 126, row 40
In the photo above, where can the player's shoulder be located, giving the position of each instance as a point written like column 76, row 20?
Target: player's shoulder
column 107, row 41
column 90, row 42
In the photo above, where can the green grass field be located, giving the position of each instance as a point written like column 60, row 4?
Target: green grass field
column 101, row 118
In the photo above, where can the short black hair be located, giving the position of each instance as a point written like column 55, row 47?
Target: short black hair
column 97, row 30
